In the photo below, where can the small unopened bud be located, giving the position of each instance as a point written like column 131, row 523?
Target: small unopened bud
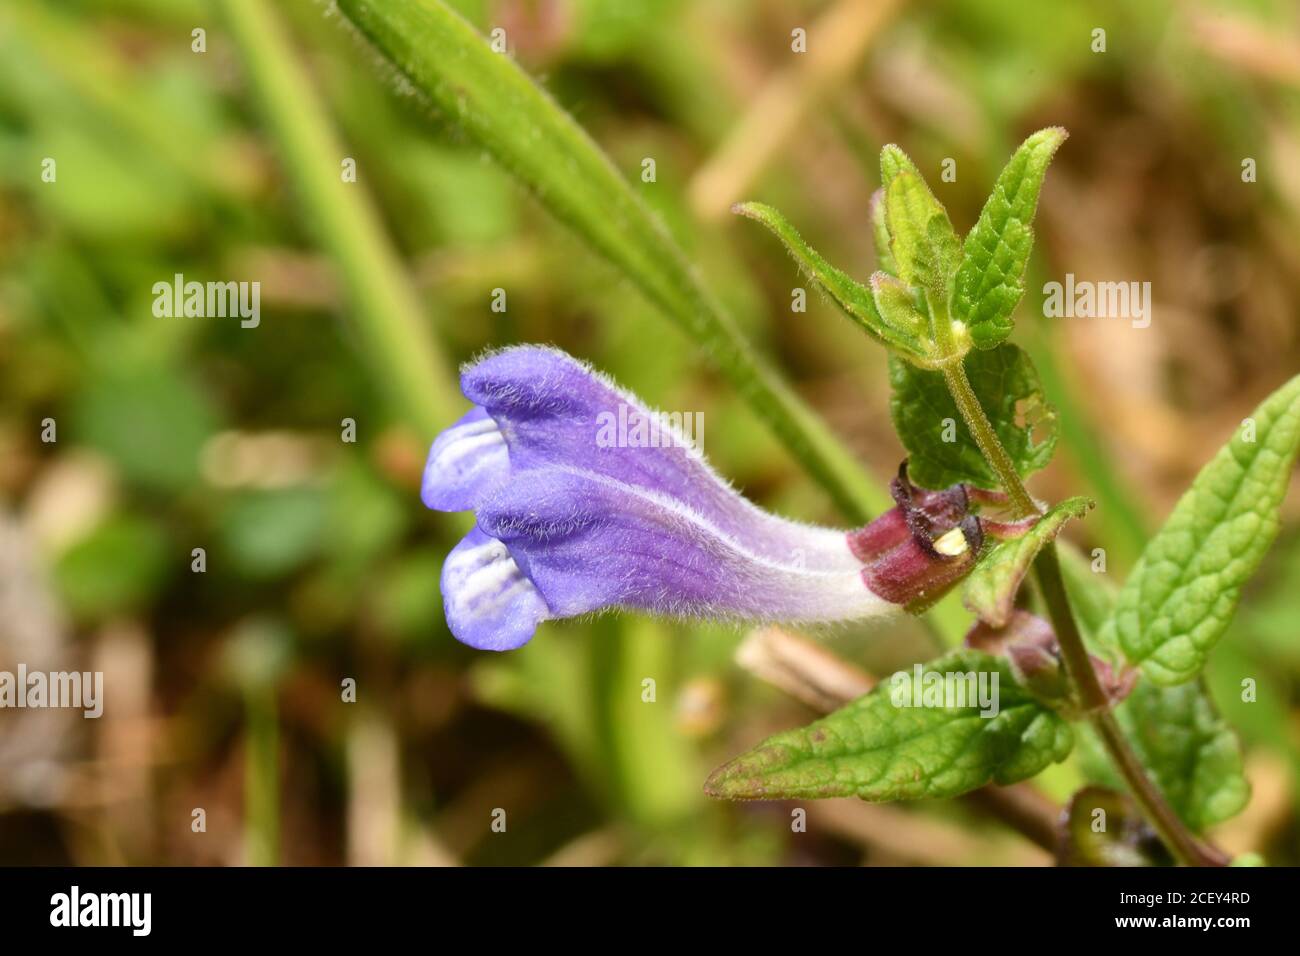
column 1029, row 645
column 1116, row 686
column 1039, row 669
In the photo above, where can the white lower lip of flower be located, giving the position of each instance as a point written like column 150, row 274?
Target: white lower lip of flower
column 468, row 440
column 483, row 579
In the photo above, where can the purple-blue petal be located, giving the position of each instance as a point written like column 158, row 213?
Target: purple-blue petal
column 553, row 410
column 589, row 542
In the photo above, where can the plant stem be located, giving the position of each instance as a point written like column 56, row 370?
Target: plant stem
column 1047, row 571
column 986, row 438
column 1185, row 847
column 1078, row 666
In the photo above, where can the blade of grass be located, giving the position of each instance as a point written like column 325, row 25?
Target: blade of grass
column 385, row 306
column 498, row 105
column 255, row 660
column 261, row 778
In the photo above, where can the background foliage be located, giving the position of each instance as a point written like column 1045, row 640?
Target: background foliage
column 181, row 433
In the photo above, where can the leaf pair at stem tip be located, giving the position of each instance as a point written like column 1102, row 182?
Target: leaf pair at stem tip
column 934, row 296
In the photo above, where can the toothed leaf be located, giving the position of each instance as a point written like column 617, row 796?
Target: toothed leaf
column 878, row 750
column 991, row 277
column 1193, row 756
column 1181, row 595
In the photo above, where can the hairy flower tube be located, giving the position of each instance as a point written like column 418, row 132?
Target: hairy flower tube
column 570, row 523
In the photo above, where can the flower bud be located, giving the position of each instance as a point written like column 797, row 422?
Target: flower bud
column 1029, row 644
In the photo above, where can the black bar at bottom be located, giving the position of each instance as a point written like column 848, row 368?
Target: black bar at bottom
column 332, row 906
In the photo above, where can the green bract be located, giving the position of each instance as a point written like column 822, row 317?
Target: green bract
column 921, row 238
column 990, row 591
column 991, row 278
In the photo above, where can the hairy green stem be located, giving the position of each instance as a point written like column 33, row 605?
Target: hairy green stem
column 1185, row 847
column 1078, row 665
column 987, row 440
column 1092, row 698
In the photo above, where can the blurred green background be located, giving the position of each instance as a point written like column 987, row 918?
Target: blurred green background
column 223, row 688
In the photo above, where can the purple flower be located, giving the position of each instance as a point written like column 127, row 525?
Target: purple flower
column 573, row 518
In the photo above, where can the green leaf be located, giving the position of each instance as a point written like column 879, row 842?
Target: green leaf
column 894, row 161
column 1123, row 839
column 1188, row 749
column 991, row 278
column 880, row 751
column 990, row 591
column 438, row 53
column 1182, row 592
column 901, row 332
column 1007, row 386
column 924, row 246
column 880, row 234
